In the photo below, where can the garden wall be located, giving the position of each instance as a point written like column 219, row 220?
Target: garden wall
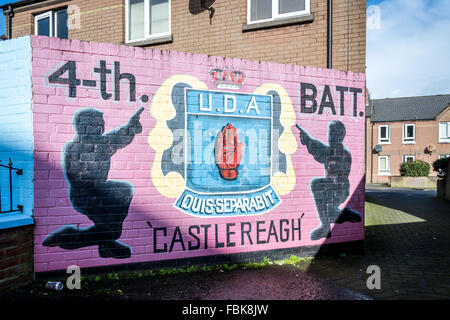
column 413, row 182
column 16, row 151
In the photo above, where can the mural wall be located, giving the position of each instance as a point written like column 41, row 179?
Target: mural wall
column 145, row 155
column 16, row 132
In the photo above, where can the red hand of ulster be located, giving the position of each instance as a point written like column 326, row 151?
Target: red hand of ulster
column 228, row 152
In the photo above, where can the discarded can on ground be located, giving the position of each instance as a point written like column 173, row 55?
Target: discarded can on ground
column 54, row 285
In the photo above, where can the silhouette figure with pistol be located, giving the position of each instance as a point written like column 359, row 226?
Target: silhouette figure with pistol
column 332, row 190
column 86, row 165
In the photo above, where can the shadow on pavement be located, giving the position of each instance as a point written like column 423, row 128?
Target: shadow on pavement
column 406, row 235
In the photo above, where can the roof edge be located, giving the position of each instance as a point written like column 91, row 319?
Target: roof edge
column 19, row 4
column 412, row 97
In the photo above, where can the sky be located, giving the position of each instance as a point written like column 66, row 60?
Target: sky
column 408, row 47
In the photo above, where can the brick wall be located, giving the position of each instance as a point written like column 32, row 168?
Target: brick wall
column 269, row 198
column 303, row 44
column 101, row 20
column 16, row 257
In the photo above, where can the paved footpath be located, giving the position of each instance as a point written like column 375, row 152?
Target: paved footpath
column 407, row 235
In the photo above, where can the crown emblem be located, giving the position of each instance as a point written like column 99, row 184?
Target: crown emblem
column 224, row 78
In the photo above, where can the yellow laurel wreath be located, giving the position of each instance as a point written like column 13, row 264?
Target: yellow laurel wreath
column 161, row 137
column 283, row 183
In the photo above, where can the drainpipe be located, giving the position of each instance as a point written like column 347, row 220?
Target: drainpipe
column 371, row 153
column 9, row 16
column 329, row 33
column 371, row 142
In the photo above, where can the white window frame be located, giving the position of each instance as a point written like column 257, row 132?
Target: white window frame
column 405, row 128
column 147, row 34
column 447, row 138
column 53, row 15
column 408, row 156
column 442, row 156
column 388, row 133
column 47, row 14
column 388, row 162
column 275, row 15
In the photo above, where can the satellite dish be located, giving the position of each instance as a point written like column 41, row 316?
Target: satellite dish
column 431, row 148
column 378, row 148
column 198, row 6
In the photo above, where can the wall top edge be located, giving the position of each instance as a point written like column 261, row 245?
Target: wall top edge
column 126, row 51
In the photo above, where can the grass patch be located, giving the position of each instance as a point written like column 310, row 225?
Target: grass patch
column 96, row 282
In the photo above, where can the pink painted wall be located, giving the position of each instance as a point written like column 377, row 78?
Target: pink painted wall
column 154, row 207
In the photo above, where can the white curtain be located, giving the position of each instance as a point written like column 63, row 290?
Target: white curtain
column 287, row 6
column 159, row 16
column 136, row 20
column 260, row 10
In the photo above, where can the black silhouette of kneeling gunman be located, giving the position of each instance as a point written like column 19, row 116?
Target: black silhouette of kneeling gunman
column 87, row 161
column 332, row 190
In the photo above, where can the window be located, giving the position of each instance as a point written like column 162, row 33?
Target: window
column 266, row 10
column 407, row 158
column 384, row 165
column 441, row 156
column 15, row 206
column 52, row 24
column 444, row 132
column 409, row 133
column 147, row 19
column 384, row 134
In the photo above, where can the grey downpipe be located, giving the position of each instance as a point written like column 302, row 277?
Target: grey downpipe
column 9, row 21
column 329, row 34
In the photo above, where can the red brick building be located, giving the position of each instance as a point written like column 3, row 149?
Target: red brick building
column 403, row 129
column 307, row 32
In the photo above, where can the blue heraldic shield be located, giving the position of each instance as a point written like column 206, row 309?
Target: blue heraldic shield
column 228, row 154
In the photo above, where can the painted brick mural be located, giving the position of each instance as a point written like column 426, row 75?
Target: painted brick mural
column 147, row 155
